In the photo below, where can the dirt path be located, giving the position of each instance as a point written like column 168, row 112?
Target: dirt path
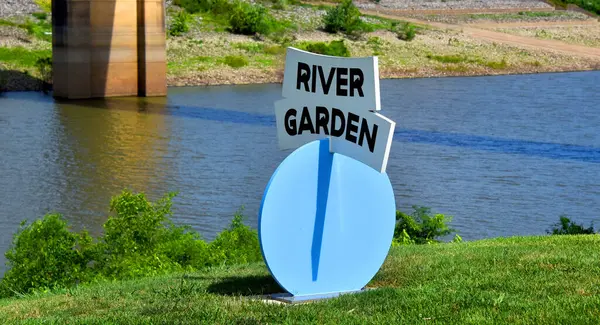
column 515, row 24
column 520, row 41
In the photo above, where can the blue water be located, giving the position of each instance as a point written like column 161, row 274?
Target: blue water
column 504, row 155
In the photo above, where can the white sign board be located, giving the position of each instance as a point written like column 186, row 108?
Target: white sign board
column 348, row 81
column 346, row 117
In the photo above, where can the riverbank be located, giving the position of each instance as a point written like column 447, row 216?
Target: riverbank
column 520, row 280
column 444, row 45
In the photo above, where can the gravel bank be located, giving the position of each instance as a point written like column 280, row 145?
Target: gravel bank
column 9, row 8
column 555, row 16
column 457, row 4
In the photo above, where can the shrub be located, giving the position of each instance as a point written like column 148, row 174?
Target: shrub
column 421, row 227
column 40, row 15
column 279, row 4
column 407, row 32
column 567, row 227
column 216, row 7
column 235, row 61
column 139, row 240
column 248, row 19
column 180, row 24
column 345, row 17
column 236, row 245
column 45, row 255
column 333, row 48
column 44, row 68
column 38, row 29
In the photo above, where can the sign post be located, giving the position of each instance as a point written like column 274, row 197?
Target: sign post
column 327, row 216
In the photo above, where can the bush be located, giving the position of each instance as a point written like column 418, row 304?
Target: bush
column 248, row 19
column 345, row 17
column 139, row 240
column 237, row 245
column 421, row 227
column 180, row 24
column 216, row 7
column 38, row 29
column 334, row 48
column 45, row 255
column 44, row 68
column 407, row 32
column 235, row 61
column 40, row 15
column 567, row 227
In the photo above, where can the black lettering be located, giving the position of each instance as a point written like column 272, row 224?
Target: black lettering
column 357, row 78
column 314, row 78
column 351, row 127
column 303, row 76
column 337, row 113
column 364, row 133
column 290, row 128
column 322, row 120
column 306, row 122
column 326, row 84
column 341, row 80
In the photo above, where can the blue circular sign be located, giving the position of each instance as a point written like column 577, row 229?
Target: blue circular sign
column 326, row 222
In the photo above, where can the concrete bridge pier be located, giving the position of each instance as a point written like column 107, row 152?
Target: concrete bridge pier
column 104, row 48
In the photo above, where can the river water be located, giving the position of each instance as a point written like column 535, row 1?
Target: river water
column 504, row 155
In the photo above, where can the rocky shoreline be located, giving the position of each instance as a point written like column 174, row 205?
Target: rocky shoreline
column 10, row 8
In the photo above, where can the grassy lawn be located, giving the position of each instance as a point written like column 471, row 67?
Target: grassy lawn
column 532, row 280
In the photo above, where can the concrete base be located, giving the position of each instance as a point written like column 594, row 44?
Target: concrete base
column 291, row 299
column 104, row 48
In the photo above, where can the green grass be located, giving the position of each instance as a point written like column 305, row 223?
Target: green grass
column 521, row 280
column 235, row 61
column 451, row 58
column 21, row 57
column 459, row 59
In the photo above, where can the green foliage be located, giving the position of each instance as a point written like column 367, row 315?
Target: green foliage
column 45, row 5
column 21, row 56
column 590, row 5
column 235, row 61
column 496, row 65
column 40, row 15
column 249, row 19
column 451, row 58
column 345, row 17
column 39, row 28
column 421, row 227
column 44, row 68
column 45, row 255
column 333, row 48
column 236, row 245
column 567, row 227
column 250, row 47
column 514, row 280
column 274, row 50
column 407, row 32
column 216, row 7
column 139, row 240
column 180, row 24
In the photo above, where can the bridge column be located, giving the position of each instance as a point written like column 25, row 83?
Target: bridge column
column 104, row 48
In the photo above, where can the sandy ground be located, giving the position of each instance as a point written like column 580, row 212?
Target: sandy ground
column 494, row 36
